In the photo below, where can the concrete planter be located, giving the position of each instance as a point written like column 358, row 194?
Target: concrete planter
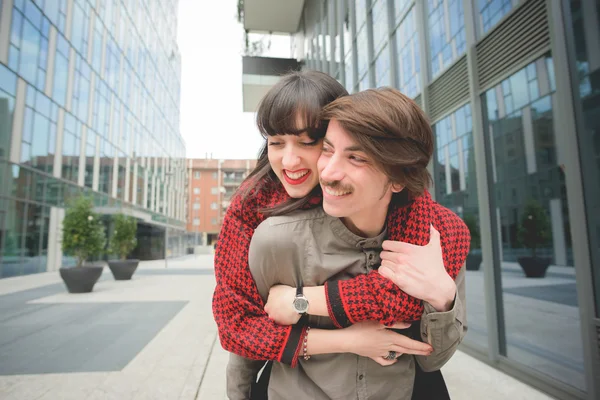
column 473, row 262
column 81, row 279
column 123, row 270
column 534, row 267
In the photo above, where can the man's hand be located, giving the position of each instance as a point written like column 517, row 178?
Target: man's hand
column 373, row 340
column 419, row 271
column 280, row 306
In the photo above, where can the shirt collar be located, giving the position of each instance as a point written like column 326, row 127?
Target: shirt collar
column 341, row 231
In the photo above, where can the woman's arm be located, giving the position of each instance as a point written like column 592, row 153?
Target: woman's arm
column 367, row 339
column 375, row 297
column 244, row 327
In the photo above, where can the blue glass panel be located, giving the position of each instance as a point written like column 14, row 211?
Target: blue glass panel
column 30, row 49
column 40, row 136
column 15, row 31
column 30, row 96
column 45, row 28
column 43, row 60
column 52, row 10
column 8, row 80
column 62, row 45
column 42, row 104
column 27, row 125
column 25, row 153
column 33, row 13
column 492, row 104
column 61, row 77
column 520, row 90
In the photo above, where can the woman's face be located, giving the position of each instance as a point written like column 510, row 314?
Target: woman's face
column 294, row 161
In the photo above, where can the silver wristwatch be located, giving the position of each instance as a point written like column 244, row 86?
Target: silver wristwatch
column 300, row 301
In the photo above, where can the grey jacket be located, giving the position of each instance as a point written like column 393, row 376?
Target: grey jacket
column 312, row 247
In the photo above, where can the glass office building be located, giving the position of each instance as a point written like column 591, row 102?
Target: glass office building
column 89, row 104
column 511, row 88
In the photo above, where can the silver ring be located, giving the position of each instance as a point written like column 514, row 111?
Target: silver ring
column 391, row 355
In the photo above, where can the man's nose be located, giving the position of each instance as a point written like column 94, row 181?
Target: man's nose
column 332, row 170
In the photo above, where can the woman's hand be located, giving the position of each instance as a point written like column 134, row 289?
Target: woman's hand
column 280, row 306
column 419, row 271
column 373, row 340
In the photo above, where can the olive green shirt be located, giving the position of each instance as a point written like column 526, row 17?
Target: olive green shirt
column 310, row 247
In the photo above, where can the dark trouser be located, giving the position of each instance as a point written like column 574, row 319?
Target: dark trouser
column 429, row 385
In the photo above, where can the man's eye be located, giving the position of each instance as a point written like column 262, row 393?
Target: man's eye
column 358, row 159
column 313, row 143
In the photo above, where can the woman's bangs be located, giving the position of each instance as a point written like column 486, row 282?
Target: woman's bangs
column 293, row 110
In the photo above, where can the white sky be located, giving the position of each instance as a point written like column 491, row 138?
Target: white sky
column 210, row 40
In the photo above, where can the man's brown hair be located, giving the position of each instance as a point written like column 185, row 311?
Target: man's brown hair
column 392, row 130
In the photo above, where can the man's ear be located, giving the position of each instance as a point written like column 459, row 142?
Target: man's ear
column 397, row 188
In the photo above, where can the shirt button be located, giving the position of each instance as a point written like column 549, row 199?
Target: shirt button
column 360, row 377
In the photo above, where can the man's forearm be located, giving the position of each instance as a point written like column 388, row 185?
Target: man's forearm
column 317, row 302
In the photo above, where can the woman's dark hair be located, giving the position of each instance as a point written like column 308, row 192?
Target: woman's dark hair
column 291, row 107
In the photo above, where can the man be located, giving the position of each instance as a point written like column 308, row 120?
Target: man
column 373, row 163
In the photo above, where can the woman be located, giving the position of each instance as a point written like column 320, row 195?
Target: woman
column 291, row 107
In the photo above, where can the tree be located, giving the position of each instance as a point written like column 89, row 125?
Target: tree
column 83, row 232
column 123, row 239
column 534, row 229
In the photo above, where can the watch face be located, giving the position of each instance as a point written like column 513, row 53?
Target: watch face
column 300, row 305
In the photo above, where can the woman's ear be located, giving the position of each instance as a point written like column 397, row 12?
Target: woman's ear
column 397, row 188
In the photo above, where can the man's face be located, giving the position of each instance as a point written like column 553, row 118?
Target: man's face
column 353, row 187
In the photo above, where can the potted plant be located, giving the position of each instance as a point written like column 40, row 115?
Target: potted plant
column 534, row 232
column 474, row 257
column 122, row 242
column 83, row 237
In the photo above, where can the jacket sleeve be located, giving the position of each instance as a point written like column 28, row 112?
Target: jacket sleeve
column 444, row 331
column 373, row 297
column 244, row 327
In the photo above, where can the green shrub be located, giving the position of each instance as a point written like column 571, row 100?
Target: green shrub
column 123, row 239
column 83, row 232
column 534, row 229
column 471, row 222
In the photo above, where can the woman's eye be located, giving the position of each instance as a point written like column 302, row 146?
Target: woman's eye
column 274, row 143
column 313, row 143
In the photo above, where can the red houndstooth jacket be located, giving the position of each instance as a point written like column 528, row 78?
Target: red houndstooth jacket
column 244, row 327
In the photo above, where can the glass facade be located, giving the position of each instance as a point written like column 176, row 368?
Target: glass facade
column 527, row 177
column 89, row 103
column 585, row 25
column 510, row 127
column 446, row 33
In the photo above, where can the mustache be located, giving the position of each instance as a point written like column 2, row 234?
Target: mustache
column 336, row 185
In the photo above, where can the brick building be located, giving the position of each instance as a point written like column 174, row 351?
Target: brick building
column 211, row 183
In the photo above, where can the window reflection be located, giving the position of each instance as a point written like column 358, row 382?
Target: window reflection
column 533, row 222
column 407, row 43
column 456, row 188
column 447, row 41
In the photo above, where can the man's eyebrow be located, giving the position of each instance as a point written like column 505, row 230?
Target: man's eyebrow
column 350, row 148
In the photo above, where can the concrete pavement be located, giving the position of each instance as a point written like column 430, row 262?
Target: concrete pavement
column 149, row 338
